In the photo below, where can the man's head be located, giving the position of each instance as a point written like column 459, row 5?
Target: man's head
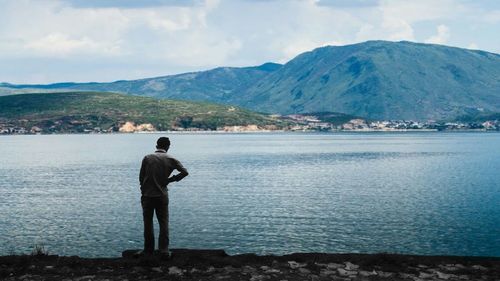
column 163, row 143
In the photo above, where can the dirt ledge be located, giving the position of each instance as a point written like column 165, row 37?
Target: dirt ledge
column 187, row 264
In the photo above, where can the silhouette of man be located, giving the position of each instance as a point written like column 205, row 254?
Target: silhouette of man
column 154, row 177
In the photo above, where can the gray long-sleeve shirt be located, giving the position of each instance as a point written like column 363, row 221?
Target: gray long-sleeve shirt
column 155, row 171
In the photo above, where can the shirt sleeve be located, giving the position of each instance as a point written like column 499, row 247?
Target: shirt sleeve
column 143, row 170
column 178, row 166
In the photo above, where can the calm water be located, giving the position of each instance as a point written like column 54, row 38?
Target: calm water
column 419, row 193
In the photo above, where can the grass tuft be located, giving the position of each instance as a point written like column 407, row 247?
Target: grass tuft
column 39, row 251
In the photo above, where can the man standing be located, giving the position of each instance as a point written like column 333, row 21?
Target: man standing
column 154, row 178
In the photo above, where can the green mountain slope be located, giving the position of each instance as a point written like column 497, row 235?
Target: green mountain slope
column 374, row 79
column 78, row 111
column 215, row 85
column 382, row 80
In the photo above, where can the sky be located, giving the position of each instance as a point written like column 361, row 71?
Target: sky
column 47, row 41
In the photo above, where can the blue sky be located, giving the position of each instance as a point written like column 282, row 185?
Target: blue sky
column 44, row 41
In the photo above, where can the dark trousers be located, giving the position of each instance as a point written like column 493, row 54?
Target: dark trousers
column 151, row 205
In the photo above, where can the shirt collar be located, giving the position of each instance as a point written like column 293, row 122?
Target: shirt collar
column 161, row 151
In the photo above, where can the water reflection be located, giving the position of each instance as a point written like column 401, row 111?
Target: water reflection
column 266, row 193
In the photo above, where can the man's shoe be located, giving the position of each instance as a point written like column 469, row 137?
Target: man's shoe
column 142, row 253
column 165, row 254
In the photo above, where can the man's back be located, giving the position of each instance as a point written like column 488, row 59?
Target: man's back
column 155, row 171
column 154, row 177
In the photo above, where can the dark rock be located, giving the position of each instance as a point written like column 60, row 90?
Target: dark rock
column 217, row 265
column 157, row 269
column 130, row 253
column 198, row 253
column 174, row 270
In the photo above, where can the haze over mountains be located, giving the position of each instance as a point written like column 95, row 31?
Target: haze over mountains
column 374, row 79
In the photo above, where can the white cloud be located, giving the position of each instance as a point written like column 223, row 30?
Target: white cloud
column 182, row 21
column 56, row 44
column 48, row 28
column 442, row 36
column 492, row 16
column 311, row 26
column 399, row 16
column 473, row 46
column 348, row 3
column 422, row 10
column 210, row 53
column 398, row 29
column 126, row 4
column 129, row 39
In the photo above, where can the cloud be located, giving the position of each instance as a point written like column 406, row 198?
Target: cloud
column 492, row 16
column 489, row 4
column 422, row 10
column 398, row 17
column 398, row 29
column 57, row 44
column 129, row 4
column 442, row 36
column 473, row 46
column 348, row 3
column 102, row 40
column 181, row 20
column 49, row 28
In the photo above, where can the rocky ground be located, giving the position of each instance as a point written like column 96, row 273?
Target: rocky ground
column 217, row 265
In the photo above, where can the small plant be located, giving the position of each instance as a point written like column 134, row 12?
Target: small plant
column 39, row 251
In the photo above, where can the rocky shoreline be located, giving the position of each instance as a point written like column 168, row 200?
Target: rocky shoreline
column 217, row 265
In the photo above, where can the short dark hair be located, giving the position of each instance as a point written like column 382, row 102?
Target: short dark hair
column 163, row 142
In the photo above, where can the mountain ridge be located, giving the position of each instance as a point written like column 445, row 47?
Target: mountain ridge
column 364, row 82
column 374, row 79
column 84, row 111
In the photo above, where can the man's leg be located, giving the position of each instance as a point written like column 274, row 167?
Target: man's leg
column 162, row 216
column 147, row 214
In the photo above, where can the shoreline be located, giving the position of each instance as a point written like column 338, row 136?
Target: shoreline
column 191, row 264
column 267, row 132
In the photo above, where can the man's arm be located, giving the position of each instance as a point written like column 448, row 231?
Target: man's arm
column 182, row 172
column 143, row 170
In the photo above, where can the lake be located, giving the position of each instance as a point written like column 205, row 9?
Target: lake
column 414, row 193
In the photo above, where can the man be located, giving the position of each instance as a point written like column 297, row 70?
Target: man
column 154, row 177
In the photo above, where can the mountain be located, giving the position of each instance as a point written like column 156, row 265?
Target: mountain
column 215, row 85
column 478, row 117
column 80, row 111
column 382, row 80
column 374, row 79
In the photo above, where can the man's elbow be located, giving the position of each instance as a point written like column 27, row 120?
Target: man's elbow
column 182, row 175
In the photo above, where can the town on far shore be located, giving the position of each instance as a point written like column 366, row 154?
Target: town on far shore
column 294, row 123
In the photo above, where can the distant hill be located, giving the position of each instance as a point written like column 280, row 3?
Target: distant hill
column 382, row 80
column 374, row 79
column 478, row 117
column 215, row 85
column 79, row 111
